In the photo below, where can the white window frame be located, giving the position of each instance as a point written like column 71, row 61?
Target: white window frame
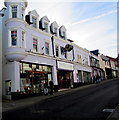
column 23, row 13
column 9, row 37
column 34, row 23
column 46, row 26
column 36, row 49
column 56, row 50
column 12, row 11
column 48, row 48
column 23, row 44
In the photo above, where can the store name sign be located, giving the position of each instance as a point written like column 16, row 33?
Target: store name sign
column 63, row 65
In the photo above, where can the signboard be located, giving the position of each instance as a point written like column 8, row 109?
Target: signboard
column 64, row 65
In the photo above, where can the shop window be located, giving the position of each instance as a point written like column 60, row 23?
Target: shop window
column 34, row 21
column 14, row 11
column 35, row 45
column 47, row 48
column 14, row 37
column 57, row 50
column 33, row 79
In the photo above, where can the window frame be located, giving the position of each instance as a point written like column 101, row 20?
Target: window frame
column 23, row 13
column 34, row 21
column 13, row 11
column 46, row 26
column 57, row 52
column 11, row 40
column 23, row 37
column 47, row 49
column 35, row 46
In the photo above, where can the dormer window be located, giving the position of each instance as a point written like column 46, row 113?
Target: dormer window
column 55, row 31
column 46, row 26
column 54, row 28
column 14, row 11
column 34, row 21
column 63, row 33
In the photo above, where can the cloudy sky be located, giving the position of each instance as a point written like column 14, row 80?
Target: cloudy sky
column 92, row 25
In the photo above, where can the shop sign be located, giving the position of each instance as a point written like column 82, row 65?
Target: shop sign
column 64, row 65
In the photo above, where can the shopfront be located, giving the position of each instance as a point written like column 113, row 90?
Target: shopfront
column 64, row 74
column 33, row 77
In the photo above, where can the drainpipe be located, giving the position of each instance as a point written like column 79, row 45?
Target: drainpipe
column 52, row 39
column 73, row 53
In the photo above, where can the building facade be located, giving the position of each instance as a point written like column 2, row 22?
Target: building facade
column 34, row 51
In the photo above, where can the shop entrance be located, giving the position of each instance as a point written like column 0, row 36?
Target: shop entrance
column 65, row 79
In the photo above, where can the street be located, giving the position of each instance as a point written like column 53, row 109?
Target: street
column 83, row 104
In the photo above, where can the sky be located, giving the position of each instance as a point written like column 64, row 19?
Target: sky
column 91, row 24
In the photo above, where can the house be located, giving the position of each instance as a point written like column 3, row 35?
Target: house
column 36, row 51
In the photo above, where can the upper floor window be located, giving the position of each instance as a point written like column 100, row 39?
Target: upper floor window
column 65, row 55
column 14, row 11
column 34, row 20
column 23, row 12
column 14, row 37
column 46, row 26
column 57, row 50
column 23, row 39
column 79, row 58
column 55, row 31
column 35, row 45
column 47, row 48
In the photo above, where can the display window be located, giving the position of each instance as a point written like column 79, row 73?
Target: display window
column 33, row 77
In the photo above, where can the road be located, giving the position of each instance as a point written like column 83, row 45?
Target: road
column 83, row 104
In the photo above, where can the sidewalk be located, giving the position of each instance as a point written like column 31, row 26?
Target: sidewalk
column 21, row 103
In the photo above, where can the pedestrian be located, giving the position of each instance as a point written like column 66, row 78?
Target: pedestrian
column 51, row 87
column 46, row 88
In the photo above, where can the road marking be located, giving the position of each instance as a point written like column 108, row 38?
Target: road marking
column 108, row 110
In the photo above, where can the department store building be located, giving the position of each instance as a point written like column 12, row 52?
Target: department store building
column 36, row 51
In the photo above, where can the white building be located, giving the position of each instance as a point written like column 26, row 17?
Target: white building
column 35, row 51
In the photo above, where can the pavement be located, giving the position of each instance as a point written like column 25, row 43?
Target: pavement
column 9, row 105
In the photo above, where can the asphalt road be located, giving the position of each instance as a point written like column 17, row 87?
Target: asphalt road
column 84, row 104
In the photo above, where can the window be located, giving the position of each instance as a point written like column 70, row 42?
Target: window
column 62, row 50
column 55, row 31
column 79, row 58
column 57, row 51
column 34, row 20
column 23, row 39
column 35, row 45
column 63, row 35
column 14, row 37
column 23, row 10
column 14, row 11
column 47, row 48
column 65, row 55
column 46, row 26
